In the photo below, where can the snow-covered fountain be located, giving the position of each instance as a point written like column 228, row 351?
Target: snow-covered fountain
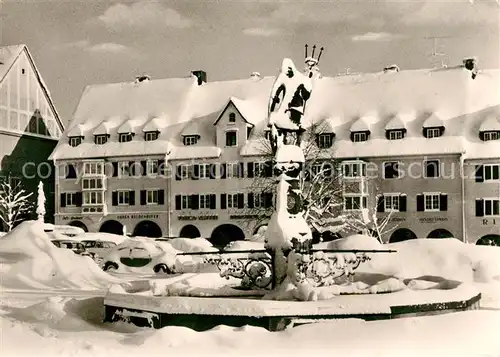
column 289, row 282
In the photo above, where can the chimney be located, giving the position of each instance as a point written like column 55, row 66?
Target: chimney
column 391, row 68
column 143, row 78
column 201, row 75
column 255, row 76
column 470, row 64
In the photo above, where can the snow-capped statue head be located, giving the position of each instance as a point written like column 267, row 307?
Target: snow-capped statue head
column 288, row 98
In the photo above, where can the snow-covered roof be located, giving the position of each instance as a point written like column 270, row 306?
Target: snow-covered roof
column 399, row 121
column 8, row 56
column 103, row 128
column 433, row 121
column 155, row 124
column 194, row 152
column 356, row 102
column 130, row 125
column 327, row 126
column 491, row 123
column 77, row 130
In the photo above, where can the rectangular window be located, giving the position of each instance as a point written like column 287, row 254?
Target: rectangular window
column 92, row 183
column 259, row 169
column 433, row 133
column 267, row 134
column 152, row 197
column 75, row 141
column 232, row 200
column 492, row 207
column 325, row 141
column 492, row 172
column 185, row 171
column 70, row 199
column 492, row 135
column 391, row 202
column 185, row 202
column 231, row 138
column 206, row 201
column 13, row 120
column 125, row 137
column 395, row 134
column 151, row 136
column 204, row 171
column 124, row 197
column 190, row 140
column 123, row 168
column 233, row 169
column 93, row 168
column 354, row 169
column 431, row 202
column 93, row 198
column 358, row 137
column 352, row 203
column 101, row 139
column 391, row 170
column 152, row 167
column 257, row 200
column 431, row 168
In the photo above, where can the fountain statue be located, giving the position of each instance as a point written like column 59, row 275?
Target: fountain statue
column 288, row 236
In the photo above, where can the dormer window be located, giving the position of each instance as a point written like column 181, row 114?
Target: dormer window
column 489, row 135
column 359, row 136
column 232, row 117
column 74, row 141
column 151, row 135
column 434, row 132
column 191, row 139
column 324, row 141
column 395, row 134
column 231, row 138
column 125, row 137
column 101, row 139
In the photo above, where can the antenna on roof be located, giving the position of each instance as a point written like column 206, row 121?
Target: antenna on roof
column 435, row 51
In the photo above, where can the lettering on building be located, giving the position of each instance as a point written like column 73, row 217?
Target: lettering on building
column 397, row 219
column 137, row 216
column 433, row 219
column 200, row 218
column 487, row 222
column 71, row 218
column 247, row 216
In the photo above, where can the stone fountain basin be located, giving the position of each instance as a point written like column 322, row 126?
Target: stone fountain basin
column 141, row 307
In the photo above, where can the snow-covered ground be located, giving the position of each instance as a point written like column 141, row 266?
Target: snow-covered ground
column 52, row 304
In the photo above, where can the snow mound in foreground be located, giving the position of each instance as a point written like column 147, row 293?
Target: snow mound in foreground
column 29, row 260
column 192, row 245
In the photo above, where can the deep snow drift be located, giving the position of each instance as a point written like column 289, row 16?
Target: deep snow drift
column 29, row 260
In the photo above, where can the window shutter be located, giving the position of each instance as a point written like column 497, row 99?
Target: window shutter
column 250, row 200
column 114, row 198
column 479, row 208
column 161, row 167
column 212, row 201
column 481, row 135
column 144, row 164
column 250, row 169
column 424, row 133
column 131, row 168
column 178, row 202
column 241, row 200
column 317, row 139
column 71, row 174
column 267, row 199
column 241, row 170
column 78, row 199
column 178, row 172
column 143, row 197
column 131, row 198
column 443, row 202
column 380, row 204
column 479, row 173
column 441, row 131
column 161, row 197
column 115, row 169
column 62, row 201
column 223, row 201
column 195, row 172
column 352, row 136
column 402, row 203
column 223, row 168
column 268, row 169
column 420, row 203
column 195, row 201
column 213, row 171
column 387, row 134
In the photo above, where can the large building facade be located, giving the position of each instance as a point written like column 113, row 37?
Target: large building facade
column 29, row 125
column 187, row 157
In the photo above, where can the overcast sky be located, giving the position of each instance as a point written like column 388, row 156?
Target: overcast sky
column 76, row 42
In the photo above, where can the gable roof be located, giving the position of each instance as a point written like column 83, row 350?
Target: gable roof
column 491, row 123
column 250, row 112
column 433, row 121
column 8, row 56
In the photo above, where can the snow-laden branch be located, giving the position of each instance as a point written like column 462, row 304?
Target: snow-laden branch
column 14, row 203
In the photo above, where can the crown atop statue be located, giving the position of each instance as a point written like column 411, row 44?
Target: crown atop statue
column 310, row 60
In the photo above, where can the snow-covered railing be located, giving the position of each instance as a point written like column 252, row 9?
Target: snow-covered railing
column 255, row 268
